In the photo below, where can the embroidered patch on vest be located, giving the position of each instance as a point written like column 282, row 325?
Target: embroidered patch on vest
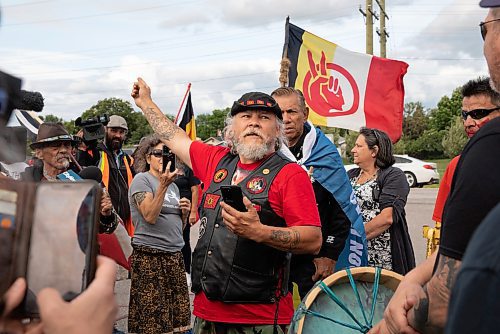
column 211, row 201
column 203, row 226
column 256, row 185
column 220, row 175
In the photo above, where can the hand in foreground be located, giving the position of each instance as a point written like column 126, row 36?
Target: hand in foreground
column 12, row 299
column 243, row 224
column 324, row 268
column 395, row 315
column 93, row 311
column 141, row 93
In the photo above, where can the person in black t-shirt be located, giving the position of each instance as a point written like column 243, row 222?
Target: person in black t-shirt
column 422, row 297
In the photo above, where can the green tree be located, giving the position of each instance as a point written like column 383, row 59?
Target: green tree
column 350, row 140
column 455, row 138
column 69, row 125
column 415, row 120
column 207, row 125
column 51, row 118
column 447, row 108
column 138, row 126
column 427, row 146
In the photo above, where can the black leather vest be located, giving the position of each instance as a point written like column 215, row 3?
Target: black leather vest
column 234, row 269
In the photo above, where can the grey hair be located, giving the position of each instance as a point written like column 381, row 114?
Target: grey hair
column 228, row 134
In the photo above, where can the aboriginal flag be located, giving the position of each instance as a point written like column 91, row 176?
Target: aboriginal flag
column 186, row 122
column 345, row 89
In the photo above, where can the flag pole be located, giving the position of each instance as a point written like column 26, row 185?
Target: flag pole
column 285, row 62
column 183, row 100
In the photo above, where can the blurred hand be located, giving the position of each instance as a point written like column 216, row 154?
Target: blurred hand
column 185, row 205
column 395, row 315
column 324, row 268
column 106, row 205
column 93, row 311
column 12, row 298
column 192, row 217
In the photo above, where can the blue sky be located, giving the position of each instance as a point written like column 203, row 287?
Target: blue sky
column 78, row 52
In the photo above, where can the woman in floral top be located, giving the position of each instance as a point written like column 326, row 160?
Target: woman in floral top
column 381, row 191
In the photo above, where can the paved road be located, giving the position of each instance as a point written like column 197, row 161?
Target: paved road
column 418, row 213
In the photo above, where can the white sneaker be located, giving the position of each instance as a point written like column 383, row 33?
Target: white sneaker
column 188, row 279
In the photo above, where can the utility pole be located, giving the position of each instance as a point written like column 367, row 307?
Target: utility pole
column 369, row 14
column 382, row 32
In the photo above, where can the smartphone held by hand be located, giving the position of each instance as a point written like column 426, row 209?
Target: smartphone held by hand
column 167, row 156
column 233, row 196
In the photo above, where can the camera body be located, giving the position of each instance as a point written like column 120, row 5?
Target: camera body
column 93, row 128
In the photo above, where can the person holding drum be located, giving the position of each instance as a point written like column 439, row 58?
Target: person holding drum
column 381, row 191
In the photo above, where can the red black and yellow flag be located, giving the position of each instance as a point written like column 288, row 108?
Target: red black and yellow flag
column 186, row 122
column 345, row 89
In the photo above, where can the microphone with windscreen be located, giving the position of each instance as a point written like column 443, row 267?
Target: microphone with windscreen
column 91, row 173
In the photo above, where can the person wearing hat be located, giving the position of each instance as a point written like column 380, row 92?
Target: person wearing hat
column 52, row 147
column 422, row 300
column 239, row 267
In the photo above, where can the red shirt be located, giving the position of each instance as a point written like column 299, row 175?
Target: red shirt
column 444, row 189
column 299, row 209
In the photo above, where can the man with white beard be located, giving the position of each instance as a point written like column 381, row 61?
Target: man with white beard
column 239, row 268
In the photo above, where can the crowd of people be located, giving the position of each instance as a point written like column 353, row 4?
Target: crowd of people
column 300, row 206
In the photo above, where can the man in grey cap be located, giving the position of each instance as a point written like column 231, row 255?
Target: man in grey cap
column 116, row 167
column 422, row 299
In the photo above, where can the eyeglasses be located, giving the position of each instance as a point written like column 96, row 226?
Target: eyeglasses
column 156, row 153
column 482, row 26
column 478, row 113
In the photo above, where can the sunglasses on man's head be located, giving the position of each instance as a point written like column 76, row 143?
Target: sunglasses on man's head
column 478, row 113
column 156, row 153
column 482, row 26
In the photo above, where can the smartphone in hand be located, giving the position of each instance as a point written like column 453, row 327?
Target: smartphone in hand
column 233, row 196
column 167, row 156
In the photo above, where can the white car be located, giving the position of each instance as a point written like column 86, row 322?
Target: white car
column 417, row 172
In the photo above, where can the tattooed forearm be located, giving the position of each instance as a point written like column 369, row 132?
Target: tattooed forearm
column 430, row 312
column 285, row 239
column 421, row 313
column 160, row 123
column 139, row 197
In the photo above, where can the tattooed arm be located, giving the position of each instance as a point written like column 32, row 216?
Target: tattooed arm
column 174, row 137
column 149, row 205
column 429, row 313
column 297, row 239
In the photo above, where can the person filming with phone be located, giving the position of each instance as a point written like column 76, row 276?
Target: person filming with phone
column 159, row 298
column 240, row 263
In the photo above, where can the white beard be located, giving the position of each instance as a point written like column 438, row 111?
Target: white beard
column 254, row 152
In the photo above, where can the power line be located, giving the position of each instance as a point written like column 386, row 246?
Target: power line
column 27, row 4
column 99, row 15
